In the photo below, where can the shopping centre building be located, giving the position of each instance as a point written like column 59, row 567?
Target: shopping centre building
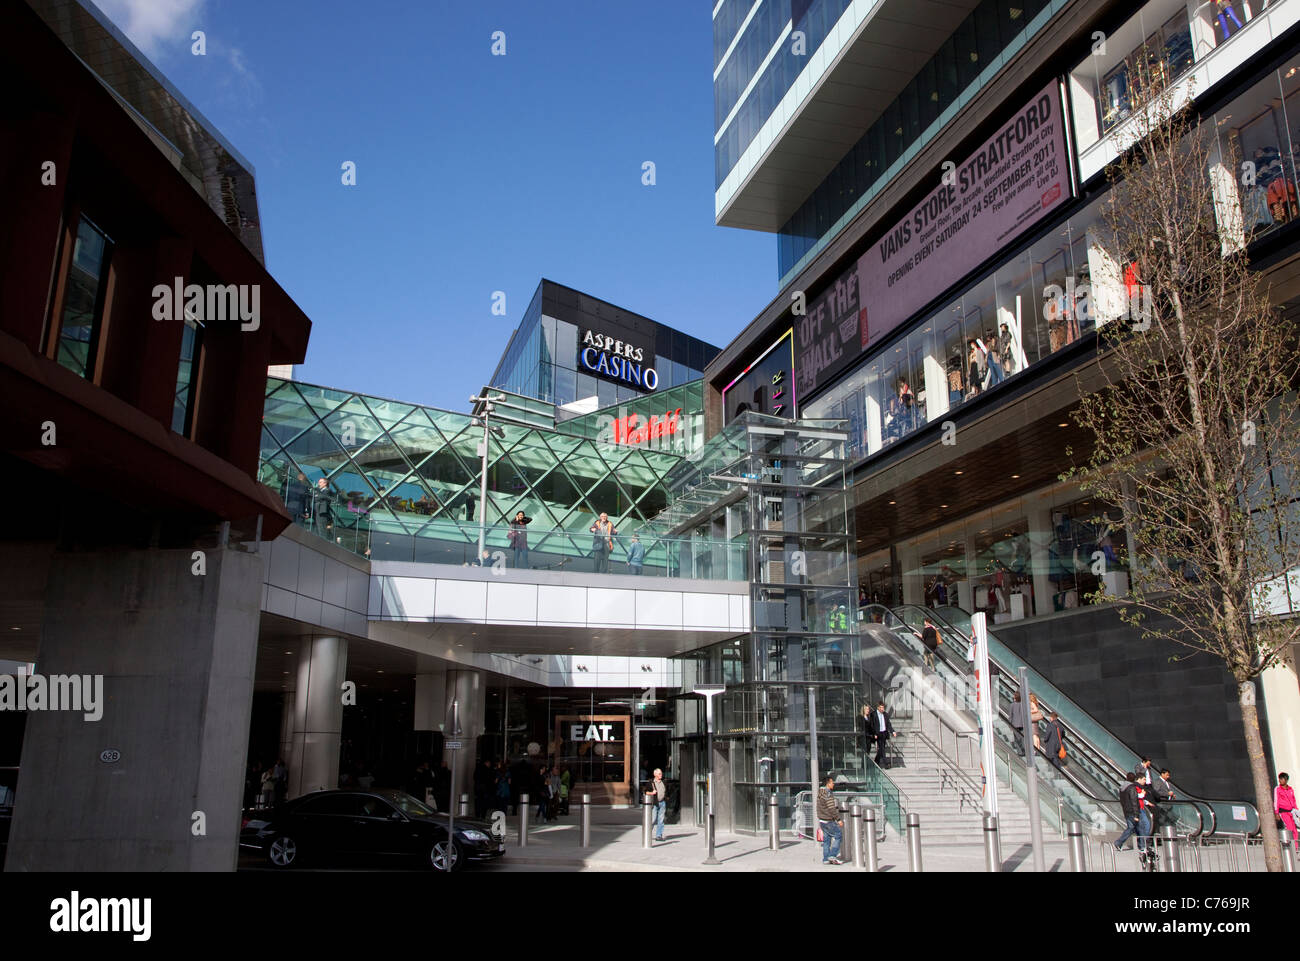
column 786, row 510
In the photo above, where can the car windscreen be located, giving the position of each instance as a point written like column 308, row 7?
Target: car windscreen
column 409, row 805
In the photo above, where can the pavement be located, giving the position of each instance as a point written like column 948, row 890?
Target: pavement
column 616, row 846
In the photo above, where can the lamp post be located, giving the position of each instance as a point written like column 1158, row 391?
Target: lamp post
column 486, row 400
column 709, row 692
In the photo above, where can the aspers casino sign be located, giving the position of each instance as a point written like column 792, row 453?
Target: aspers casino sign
column 605, row 355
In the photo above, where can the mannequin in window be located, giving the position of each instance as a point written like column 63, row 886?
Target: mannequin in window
column 976, row 359
column 907, row 401
column 1010, row 349
column 955, row 384
column 995, row 358
column 1225, row 13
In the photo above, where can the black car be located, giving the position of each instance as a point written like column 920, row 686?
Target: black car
column 329, row 826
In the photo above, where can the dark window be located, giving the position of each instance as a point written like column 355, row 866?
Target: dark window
column 78, row 329
column 342, row 805
column 183, row 405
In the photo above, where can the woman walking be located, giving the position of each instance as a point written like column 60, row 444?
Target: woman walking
column 1284, row 806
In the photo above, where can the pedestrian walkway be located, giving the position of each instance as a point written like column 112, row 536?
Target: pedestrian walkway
column 616, row 846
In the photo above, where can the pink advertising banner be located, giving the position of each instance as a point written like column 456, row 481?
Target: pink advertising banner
column 1016, row 178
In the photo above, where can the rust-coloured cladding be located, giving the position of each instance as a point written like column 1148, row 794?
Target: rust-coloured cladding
column 114, row 428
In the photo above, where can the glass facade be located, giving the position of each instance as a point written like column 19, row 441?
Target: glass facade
column 804, row 647
column 991, row 29
column 816, row 19
column 1050, row 550
column 1164, row 40
column 542, row 358
column 1025, row 310
column 394, row 481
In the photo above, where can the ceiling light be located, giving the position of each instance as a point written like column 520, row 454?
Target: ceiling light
column 943, row 505
column 1015, row 476
column 1062, row 425
column 893, row 502
column 957, row 472
column 284, row 672
column 381, row 670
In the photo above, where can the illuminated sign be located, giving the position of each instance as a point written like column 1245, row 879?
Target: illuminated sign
column 609, row 356
column 630, row 430
column 766, row 385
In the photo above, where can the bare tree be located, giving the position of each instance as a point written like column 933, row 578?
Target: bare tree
column 1195, row 426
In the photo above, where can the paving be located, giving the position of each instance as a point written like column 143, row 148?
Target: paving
column 616, row 846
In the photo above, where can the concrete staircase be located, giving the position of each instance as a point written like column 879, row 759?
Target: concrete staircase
column 948, row 799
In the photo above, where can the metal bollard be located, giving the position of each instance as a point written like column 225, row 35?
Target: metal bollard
column 992, row 856
column 1288, row 855
column 773, row 824
column 1172, row 864
column 855, row 828
column 647, row 821
column 846, row 839
column 869, row 829
column 463, row 810
column 523, row 820
column 584, row 831
column 914, row 842
column 1078, row 857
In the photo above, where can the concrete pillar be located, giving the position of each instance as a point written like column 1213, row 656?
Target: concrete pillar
column 177, row 652
column 1041, row 535
column 286, row 726
column 909, row 558
column 318, row 715
column 467, row 691
column 430, row 701
column 1282, row 711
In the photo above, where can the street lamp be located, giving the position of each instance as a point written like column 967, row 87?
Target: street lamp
column 486, row 413
column 709, row 692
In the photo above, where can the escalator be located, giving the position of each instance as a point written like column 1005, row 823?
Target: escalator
column 1086, row 789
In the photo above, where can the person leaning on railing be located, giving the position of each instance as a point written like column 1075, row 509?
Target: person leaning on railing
column 602, row 543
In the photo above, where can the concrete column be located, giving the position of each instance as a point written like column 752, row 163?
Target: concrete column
column 909, row 558
column 465, row 689
column 318, row 715
column 286, row 726
column 1282, row 711
column 966, row 589
column 1041, row 535
column 430, row 701
column 176, row 652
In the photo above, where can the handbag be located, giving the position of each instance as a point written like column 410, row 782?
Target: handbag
column 1061, row 753
column 820, row 838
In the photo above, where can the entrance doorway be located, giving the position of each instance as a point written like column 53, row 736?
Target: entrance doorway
column 652, row 749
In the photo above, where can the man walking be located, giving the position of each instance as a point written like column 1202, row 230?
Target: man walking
column 1054, row 742
column 661, row 802
column 829, row 822
column 1133, row 802
column 881, row 728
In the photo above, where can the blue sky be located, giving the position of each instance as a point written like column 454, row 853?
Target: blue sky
column 475, row 173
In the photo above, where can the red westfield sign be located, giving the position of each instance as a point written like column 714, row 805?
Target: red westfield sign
column 630, row 430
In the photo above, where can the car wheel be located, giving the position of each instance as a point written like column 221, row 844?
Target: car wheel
column 446, row 856
column 283, row 852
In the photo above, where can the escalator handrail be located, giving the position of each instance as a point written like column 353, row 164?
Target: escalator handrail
column 1002, row 656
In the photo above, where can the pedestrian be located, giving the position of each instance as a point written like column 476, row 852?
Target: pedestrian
column 566, row 782
column 322, row 508
column 1132, row 800
column 267, row 797
column 1018, row 722
column 1035, row 716
column 280, row 774
column 553, row 794
column 1144, row 772
column 931, row 639
column 635, row 556
column 503, row 787
column 1054, row 747
column 660, row 790
column 484, row 785
column 1284, row 806
column 542, row 786
column 881, row 728
column 829, row 824
column 602, row 542
column 518, row 538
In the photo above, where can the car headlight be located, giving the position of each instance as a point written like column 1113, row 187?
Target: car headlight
column 472, row 835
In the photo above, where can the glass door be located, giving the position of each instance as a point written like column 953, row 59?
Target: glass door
column 651, row 747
